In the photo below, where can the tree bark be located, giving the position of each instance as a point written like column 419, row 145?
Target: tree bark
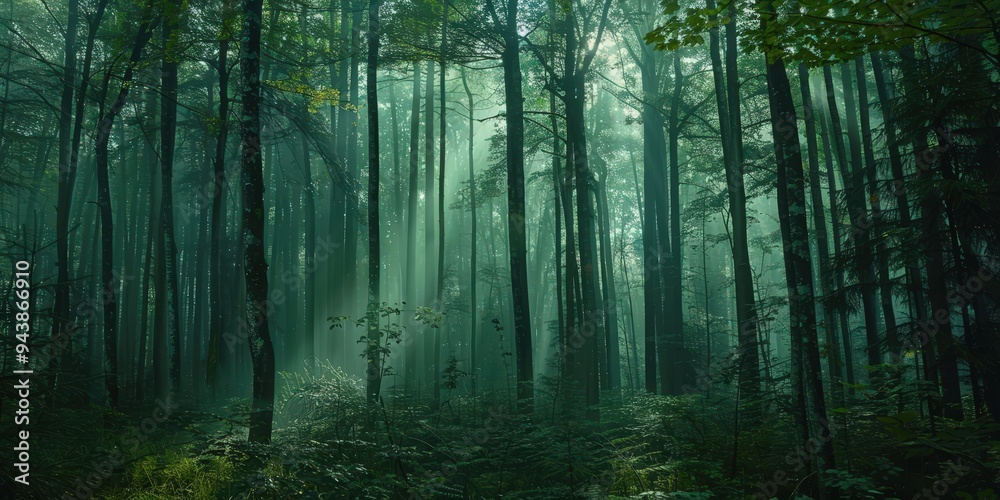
column 413, row 195
column 511, row 60
column 861, row 218
column 255, row 267
column 608, row 279
column 877, row 217
column 104, row 128
column 474, row 304
column 168, row 132
column 825, row 284
column 218, row 226
column 374, row 370
column 746, row 309
column 62, row 316
column 798, row 266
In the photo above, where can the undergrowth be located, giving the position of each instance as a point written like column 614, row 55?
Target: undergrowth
column 329, row 443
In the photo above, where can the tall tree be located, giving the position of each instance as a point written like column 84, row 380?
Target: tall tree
column 610, row 296
column 877, row 216
column 62, row 322
column 104, row 128
column 861, row 219
column 798, row 266
column 215, row 341
column 430, row 277
column 374, row 255
column 474, row 246
column 654, row 164
column 168, row 136
column 578, row 61
column 439, row 298
column 412, row 198
column 825, row 284
column 746, row 308
column 255, row 267
column 505, row 22
column 351, row 226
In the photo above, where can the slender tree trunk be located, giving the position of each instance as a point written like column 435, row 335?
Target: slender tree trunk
column 511, row 61
column 339, row 210
column 399, row 252
column 104, row 128
column 474, row 304
column 592, row 317
column 351, row 225
column 411, row 218
column 62, row 317
column 877, row 217
column 439, row 297
column 654, row 162
column 681, row 362
column 608, row 279
column 861, row 218
column 912, row 272
column 160, row 355
column 430, row 277
column 933, row 208
column 824, row 285
column 148, row 268
column 838, row 276
column 215, row 342
column 374, row 369
column 746, row 310
column 168, row 131
column 516, row 210
column 798, row 266
column 261, row 348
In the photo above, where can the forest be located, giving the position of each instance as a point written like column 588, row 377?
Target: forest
column 670, row 249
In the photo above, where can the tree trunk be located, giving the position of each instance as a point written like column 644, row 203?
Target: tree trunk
column 825, row 284
column 679, row 360
column 798, row 266
column 838, row 276
column 350, row 276
column 374, row 370
column 746, row 310
column 592, row 318
column 608, row 279
column 104, row 128
column 215, row 342
column 430, row 277
column 877, row 217
column 474, row 304
column 439, row 297
column 411, row 220
column 912, row 270
column 511, row 60
column 654, row 163
column 62, row 316
column 255, row 267
column 861, row 218
column 149, row 267
column 339, row 209
column 168, row 131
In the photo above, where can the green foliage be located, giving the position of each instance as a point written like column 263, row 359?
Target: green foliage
column 316, row 95
column 429, row 317
column 855, row 486
column 820, row 32
column 378, row 338
column 684, row 27
column 176, row 474
column 452, row 374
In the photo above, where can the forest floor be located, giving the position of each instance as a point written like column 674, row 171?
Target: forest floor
column 328, row 443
